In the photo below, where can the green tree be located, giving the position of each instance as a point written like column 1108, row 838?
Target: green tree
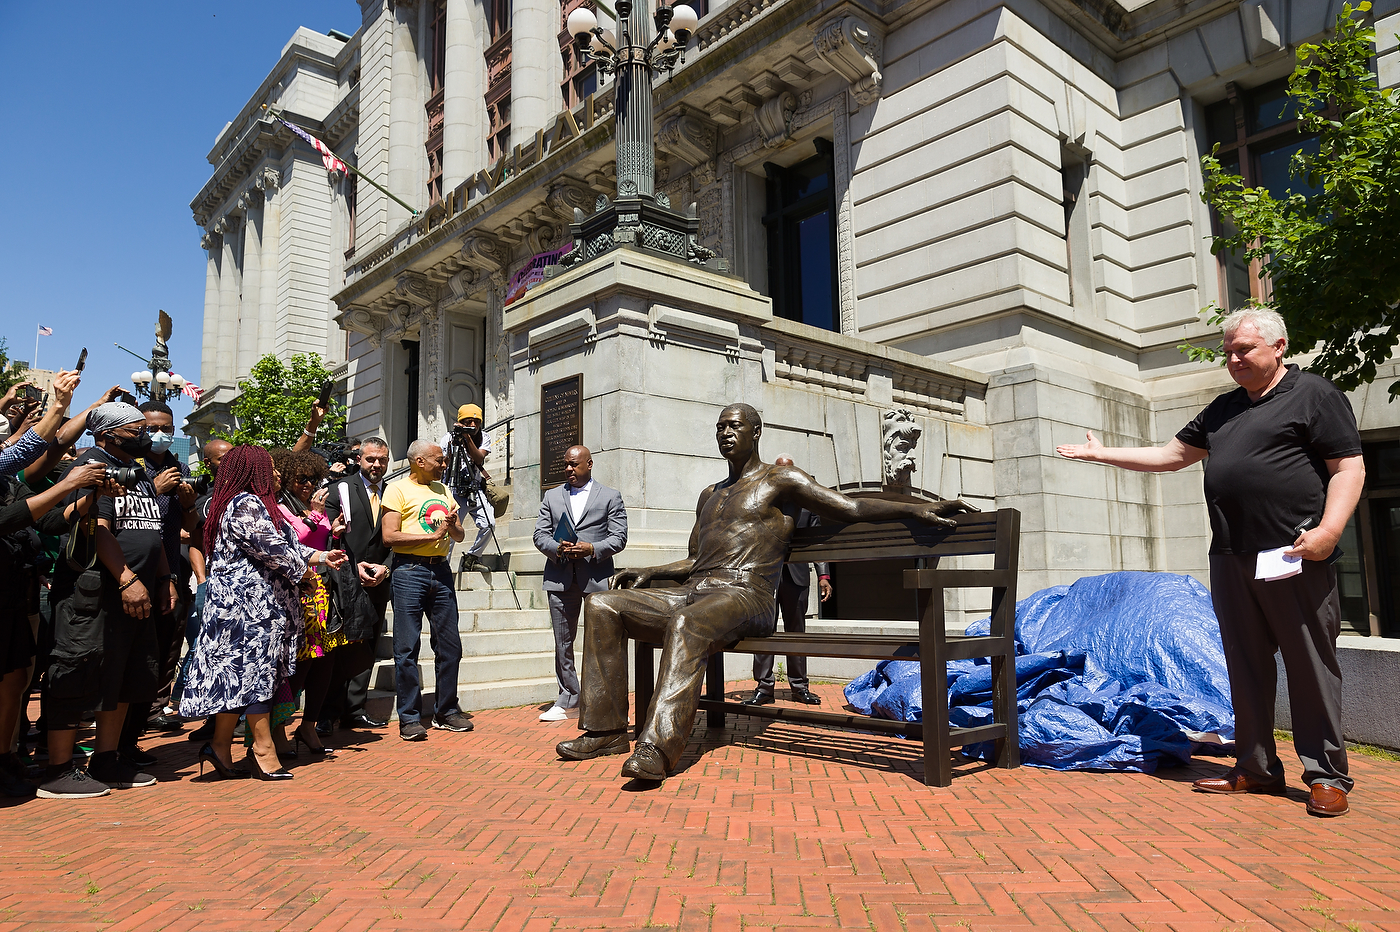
column 275, row 402
column 1333, row 257
column 10, row 371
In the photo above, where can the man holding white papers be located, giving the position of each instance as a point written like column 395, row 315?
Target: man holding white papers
column 1284, row 476
column 582, row 524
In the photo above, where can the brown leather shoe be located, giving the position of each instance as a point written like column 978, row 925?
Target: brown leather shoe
column 1326, row 800
column 1236, row 780
column 593, row 744
column 646, row 763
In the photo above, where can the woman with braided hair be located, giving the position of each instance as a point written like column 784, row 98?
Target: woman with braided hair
column 252, row 613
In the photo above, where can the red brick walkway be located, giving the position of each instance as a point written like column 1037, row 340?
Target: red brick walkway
column 767, row 827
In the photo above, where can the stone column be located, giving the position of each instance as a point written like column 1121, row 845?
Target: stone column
column 406, row 118
column 372, row 146
column 431, row 372
column 212, row 244
column 536, row 68
column 249, row 305
column 464, row 108
column 230, row 283
column 267, row 299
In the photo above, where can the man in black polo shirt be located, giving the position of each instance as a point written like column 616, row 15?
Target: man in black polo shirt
column 1284, row 474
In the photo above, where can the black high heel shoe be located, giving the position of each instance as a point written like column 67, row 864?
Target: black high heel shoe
column 300, row 742
column 225, row 772
column 281, row 773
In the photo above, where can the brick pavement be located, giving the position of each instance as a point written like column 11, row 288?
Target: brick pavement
column 767, row 827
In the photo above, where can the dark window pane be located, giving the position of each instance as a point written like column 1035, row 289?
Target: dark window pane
column 814, row 250
column 1274, row 169
column 1351, row 582
column 1220, row 123
column 1236, row 274
column 1269, row 106
column 809, row 178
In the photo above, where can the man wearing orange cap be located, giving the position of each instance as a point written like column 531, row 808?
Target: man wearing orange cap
column 465, row 450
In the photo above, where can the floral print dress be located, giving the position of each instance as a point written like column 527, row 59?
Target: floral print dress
column 252, row 613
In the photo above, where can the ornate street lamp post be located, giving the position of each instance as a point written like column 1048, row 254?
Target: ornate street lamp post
column 638, row 216
column 157, row 382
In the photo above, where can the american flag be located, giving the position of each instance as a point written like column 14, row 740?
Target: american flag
column 45, row 331
column 328, row 158
column 193, row 390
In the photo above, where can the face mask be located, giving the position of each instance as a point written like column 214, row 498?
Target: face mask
column 160, row 442
column 139, row 445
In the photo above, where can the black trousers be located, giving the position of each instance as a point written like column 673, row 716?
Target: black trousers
column 792, row 607
column 1300, row 617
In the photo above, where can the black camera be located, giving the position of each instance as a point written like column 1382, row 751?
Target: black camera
column 128, row 477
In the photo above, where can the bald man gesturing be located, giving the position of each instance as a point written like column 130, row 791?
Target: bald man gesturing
column 579, row 566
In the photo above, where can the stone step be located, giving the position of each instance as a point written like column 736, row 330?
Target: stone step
column 476, row 697
column 476, row 600
column 476, row 671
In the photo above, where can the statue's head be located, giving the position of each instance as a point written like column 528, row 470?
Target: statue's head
column 737, row 432
column 899, row 434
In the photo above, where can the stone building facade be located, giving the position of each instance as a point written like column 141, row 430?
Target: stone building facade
column 983, row 212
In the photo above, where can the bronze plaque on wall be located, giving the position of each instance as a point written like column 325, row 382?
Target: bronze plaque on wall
column 561, row 427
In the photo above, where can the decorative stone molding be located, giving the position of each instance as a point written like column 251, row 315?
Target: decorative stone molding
column 774, row 119
column 415, row 289
column 251, row 199
column 1261, row 26
column 570, row 331
column 692, row 139
column 484, row 252
column 668, row 324
column 267, row 180
column 211, row 241
column 399, row 324
column 366, row 322
column 854, row 50
column 223, row 225
column 564, row 198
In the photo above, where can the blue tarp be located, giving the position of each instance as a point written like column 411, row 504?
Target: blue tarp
column 1116, row 672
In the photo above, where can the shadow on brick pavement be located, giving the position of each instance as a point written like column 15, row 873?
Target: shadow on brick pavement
column 767, row 826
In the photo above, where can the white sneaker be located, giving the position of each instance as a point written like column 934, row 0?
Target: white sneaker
column 556, row 714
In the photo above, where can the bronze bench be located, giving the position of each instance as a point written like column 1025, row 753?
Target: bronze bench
column 995, row 533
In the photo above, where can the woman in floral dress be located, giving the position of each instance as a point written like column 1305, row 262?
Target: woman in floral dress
column 252, row 613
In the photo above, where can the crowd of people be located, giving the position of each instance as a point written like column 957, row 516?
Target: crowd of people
column 153, row 598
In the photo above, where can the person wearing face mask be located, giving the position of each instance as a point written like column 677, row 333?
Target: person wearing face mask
column 176, row 496
column 108, row 661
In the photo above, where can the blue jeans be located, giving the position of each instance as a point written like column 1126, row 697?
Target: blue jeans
column 425, row 589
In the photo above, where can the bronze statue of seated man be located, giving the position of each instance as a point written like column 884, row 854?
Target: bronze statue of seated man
column 743, row 526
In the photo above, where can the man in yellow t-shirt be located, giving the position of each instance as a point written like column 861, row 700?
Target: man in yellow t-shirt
column 419, row 517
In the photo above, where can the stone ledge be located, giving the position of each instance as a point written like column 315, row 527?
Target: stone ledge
column 1370, row 683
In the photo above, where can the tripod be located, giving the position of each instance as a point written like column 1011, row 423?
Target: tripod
column 470, row 487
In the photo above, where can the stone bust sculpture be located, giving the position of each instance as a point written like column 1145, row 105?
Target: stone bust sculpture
column 899, row 434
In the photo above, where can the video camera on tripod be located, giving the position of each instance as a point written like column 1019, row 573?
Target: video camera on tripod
column 463, row 474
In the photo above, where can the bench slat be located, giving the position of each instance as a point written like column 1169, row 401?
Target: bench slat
column 957, row 736
column 885, row 540
column 868, row 646
column 956, row 579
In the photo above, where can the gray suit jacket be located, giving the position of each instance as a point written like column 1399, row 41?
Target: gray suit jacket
column 603, row 524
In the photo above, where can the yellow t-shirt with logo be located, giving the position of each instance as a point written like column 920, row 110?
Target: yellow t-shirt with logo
column 418, row 505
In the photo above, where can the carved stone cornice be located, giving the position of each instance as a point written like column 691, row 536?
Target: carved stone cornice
column 267, row 180
column 854, row 49
column 399, row 324
column 415, row 289
column 481, row 251
column 693, row 139
column 251, row 199
column 211, row 241
column 774, row 119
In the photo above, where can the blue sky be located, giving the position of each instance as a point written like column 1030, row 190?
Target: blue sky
column 110, row 111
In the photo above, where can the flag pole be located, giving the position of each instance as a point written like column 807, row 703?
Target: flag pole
column 36, row 346
column 277, row 114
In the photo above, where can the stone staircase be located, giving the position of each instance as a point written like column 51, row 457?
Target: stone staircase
column 507, row 652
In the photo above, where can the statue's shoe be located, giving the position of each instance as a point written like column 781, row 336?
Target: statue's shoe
column 646, row 763
column 594, row 744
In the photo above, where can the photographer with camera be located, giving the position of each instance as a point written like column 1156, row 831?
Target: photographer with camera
column 104, row 652
column 465, row 449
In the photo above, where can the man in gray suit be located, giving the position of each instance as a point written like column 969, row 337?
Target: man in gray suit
column 574, row 569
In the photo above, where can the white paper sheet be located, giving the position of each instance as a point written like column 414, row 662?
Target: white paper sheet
column 1276, row 564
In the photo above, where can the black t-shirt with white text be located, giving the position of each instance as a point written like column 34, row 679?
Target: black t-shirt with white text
column 135, row 518
column 1266, row 472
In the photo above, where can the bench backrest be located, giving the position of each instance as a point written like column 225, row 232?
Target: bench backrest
column 987, row 532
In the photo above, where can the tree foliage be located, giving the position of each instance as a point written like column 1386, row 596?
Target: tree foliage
column 275, row 402
column 10, row 371
column 1334, row 257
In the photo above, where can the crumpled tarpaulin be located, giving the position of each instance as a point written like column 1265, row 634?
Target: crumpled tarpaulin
column 1116, row 672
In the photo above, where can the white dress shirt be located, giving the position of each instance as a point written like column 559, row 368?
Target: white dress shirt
column 578, row 499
